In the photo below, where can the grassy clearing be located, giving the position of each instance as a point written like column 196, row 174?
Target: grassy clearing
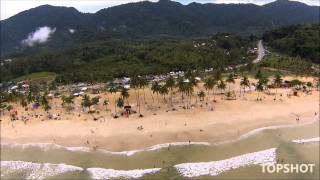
column 37, row 77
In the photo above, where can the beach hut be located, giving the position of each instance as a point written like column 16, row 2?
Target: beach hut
column 286, row 84
column 127, row 110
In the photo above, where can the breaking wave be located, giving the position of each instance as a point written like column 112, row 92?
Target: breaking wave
column 52, row 146
column 36, row 170
column 311, row 140
column 215, row 168
column 100, row 173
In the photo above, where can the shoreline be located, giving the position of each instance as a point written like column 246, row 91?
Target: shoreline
column 48, row 145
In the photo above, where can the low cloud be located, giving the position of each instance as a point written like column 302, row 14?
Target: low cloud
column 41, row 35
column 72, row 31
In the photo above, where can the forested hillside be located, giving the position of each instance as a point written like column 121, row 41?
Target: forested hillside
column 147, row 20
column 298, row 40
column 101, row 61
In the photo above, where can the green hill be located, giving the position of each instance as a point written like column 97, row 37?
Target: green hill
column 148, row 20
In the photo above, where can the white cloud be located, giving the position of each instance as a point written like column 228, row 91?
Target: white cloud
column 72, row 31
column 41, row 35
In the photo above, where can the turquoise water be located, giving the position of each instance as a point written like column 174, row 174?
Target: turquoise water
column 166, row 158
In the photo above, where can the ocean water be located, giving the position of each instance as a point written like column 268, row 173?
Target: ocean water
column 238, row 159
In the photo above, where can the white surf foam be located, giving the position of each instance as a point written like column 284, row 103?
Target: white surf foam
column 100, row 173
column 36, row 170
column 50, row 146
column 311, row 140
column 156, row 147
column 217, row 167
column 256, row 131
column 46, row 146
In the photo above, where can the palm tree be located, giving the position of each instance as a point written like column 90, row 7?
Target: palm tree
column 120, row 102
column 24, row 103
column 188, row 74
column 52, row 86
column 143, row 83
column 188, row 90
column 156, row 89
column 106, row 103
column 277, row 82
column 259, row 74
column 244, row 83
column 201, row 95
column 9, row 107
column 114, row 90
column 217, row 76
column 125, row 95
column 221, row 85
column 95, row 100
column 214, row 90
column 309, row 85
column 164, row 91
column 136, row 84
column 181, row 87
column 45, row 102
column 260, row 87
column 170, row 83
column 67, row 101
column 30, row 97
column 296, row 83
column 209, row 85
column 230, row 79
column 86, row 102
column 3, row 107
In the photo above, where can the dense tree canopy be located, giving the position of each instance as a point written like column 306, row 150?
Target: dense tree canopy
column 299, row 40
column 103, row 60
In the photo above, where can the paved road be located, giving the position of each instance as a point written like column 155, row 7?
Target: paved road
column 261, row 52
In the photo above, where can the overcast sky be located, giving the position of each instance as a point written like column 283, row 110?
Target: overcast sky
column 12, row 7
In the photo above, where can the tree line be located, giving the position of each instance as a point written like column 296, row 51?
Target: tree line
column 103, row 60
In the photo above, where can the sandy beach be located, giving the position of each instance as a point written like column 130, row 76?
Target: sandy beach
column 229, row 120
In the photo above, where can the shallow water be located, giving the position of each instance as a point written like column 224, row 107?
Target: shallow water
column 165, row 158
